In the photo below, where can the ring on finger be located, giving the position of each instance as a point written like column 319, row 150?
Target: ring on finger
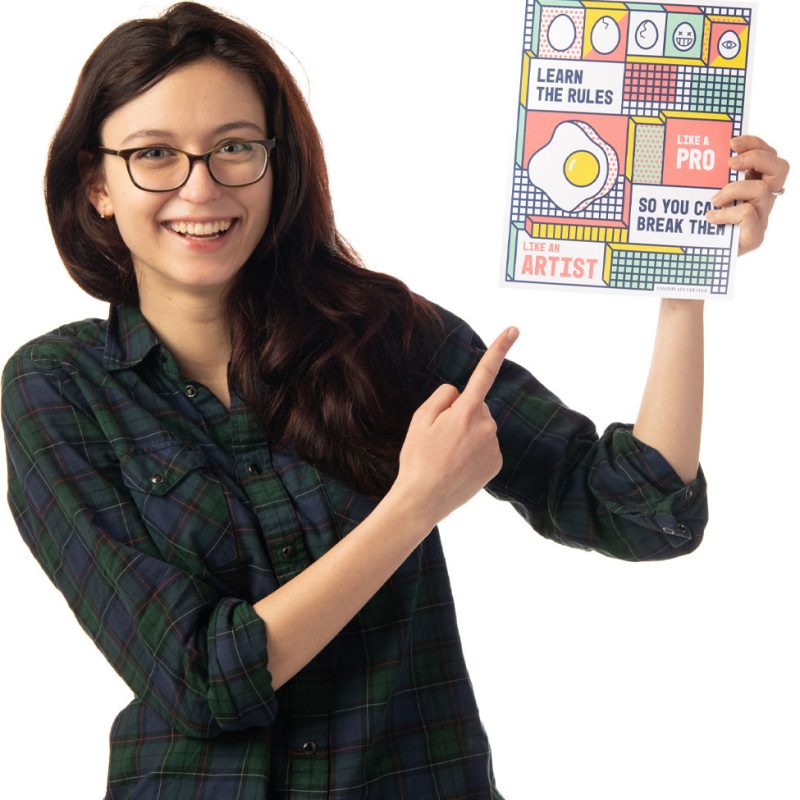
column 778, row 193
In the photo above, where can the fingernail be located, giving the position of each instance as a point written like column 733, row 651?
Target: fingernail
column 715, row 199
column 512, row 334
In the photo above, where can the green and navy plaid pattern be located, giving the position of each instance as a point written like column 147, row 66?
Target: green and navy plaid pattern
column 161, row 517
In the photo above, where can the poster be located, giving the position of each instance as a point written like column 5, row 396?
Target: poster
column 626, row 112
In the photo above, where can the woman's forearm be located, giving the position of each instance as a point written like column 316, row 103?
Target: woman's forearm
column 449, row 453
column 670, row 417
column 306, row 613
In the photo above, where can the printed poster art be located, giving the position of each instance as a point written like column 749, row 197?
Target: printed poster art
column 625, row 118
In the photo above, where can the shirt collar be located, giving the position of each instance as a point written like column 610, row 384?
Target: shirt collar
column 129, row 337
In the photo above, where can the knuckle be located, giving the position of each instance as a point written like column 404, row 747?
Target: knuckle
column 747, row 212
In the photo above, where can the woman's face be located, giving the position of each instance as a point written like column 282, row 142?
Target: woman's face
column 194, row 108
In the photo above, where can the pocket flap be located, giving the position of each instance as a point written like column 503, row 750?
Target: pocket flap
column 158, row 470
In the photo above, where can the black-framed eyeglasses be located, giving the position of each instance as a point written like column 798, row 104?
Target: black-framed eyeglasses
column 164, row 169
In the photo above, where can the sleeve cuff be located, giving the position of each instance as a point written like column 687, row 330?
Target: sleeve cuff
column 240, row 692
column 633, row 480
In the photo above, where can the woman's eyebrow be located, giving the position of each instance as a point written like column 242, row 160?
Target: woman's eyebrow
column 228, row 126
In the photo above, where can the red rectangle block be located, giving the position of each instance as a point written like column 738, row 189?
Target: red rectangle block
column 696, row 150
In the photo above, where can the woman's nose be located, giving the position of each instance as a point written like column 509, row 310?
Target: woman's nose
column 200, row 187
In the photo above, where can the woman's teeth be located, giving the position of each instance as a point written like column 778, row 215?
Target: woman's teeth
column 201, row 229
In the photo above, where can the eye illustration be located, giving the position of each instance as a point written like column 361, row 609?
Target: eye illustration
column 646, row 35
column 729, row 45
column 575, row 167
column 561, row 33
column 605, row 35
column 684, row 37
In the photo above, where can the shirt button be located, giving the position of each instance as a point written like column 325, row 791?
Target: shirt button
column 309, row 748
column 682, row 528
column 156, row 478
column 689, row 494
column 190, row 391
column 254, row 469
column 288, row 551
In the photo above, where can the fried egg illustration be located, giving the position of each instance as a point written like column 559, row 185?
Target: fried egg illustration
column 729, row 45
column 684, row 37
column 575, row 167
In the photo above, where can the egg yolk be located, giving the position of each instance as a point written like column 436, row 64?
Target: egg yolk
column 581, row 168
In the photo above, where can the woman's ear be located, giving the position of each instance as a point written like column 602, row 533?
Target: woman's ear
column 94, row 185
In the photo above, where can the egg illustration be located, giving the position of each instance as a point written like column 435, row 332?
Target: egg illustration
column 684, row 37
column 575, row 167
column 561, row 33
column 729, row 45
column 646, row 35
column 605, row 35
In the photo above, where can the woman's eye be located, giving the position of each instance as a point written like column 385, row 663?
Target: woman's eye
column 236, row 147
column 154, row 154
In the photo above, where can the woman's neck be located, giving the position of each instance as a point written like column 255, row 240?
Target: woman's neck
column 195, row 330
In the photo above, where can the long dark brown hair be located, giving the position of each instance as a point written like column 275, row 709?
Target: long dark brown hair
column 328, row 354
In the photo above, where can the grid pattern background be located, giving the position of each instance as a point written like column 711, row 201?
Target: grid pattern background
column 727, row 11
column 642, row 270
column 529, row 199
column 717, row 90
column 652, row 85
column 684, row 88
column 527, row 38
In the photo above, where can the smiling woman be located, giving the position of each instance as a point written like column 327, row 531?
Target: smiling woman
column 202, row 106
column 235, row 479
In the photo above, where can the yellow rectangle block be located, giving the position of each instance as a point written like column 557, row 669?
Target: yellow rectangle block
column 609, row 257
column 610, row 6
column 646, row 248
column 691, row 62
column 580, row 233
column 718, row 18
column 694, row 115
column 526, row 73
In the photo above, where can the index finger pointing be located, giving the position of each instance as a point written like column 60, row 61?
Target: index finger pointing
column 485, row 372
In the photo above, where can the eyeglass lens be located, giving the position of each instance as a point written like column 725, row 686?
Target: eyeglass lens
column 235, row 164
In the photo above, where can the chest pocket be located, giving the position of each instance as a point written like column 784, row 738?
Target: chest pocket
column 185, row 508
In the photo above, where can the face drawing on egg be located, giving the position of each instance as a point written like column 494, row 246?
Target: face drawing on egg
column 684, row 37
column 729, row 45
column 575, row 167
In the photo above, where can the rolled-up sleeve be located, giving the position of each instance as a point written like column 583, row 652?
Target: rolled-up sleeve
column 611, row 493
column 196, row 657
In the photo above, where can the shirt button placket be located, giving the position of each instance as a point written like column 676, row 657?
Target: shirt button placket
column 277, row 516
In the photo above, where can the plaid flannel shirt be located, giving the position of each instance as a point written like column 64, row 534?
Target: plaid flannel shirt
column 162, row 517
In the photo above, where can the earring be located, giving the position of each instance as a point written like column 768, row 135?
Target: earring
column 103, row 215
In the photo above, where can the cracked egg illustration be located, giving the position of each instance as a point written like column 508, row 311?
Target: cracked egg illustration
column 575, row 168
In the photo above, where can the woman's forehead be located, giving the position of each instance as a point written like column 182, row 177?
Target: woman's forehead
column 201, row 99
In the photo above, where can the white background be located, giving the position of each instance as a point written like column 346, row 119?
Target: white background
column 595, row 678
